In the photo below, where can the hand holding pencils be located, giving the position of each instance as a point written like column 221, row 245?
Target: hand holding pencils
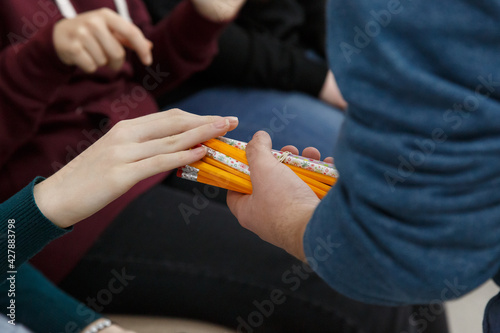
column 226, row 166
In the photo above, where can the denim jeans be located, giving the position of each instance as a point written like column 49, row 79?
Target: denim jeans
column 289, row 117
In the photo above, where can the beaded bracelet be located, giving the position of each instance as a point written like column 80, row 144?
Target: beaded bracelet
column 105, row 323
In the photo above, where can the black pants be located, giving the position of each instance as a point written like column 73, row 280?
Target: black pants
column 178, row 252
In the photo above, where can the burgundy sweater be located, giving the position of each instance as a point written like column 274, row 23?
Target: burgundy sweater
column 50, row 112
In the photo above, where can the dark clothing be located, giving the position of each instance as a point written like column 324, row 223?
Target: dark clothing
column 50, row 112
column 206, row 266
column 266, row 47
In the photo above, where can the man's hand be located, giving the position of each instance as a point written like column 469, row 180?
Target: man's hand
column 281, row 204
column 218, row 10
column 97, row 38
column 330, row 93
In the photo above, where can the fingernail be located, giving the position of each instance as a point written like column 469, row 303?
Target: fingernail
column 149, row 59
column 233, row 120
column 220, row 124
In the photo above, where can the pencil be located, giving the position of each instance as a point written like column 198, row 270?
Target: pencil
column 227, row 168
column 237, row 154
column 240, row 155
column 314, row 175
column 223, row 176
column 199, row 176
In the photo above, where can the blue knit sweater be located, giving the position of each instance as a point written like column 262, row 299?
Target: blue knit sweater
column 415, row 216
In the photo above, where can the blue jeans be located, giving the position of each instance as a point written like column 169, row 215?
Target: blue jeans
column 290, row 118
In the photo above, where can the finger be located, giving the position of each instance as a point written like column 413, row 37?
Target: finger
column 85, row 61
column 153, row 117
column 161, row 163
column 311, row 152
column 260, row 158
column 179, row 142
column 125, row 42
column 172, row 124
column 291, row 149
column 329, row 160
column 114, row 51
column 94, row 49
column 130, row 35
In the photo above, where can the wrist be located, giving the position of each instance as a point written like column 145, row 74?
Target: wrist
column 47, row 202
column 296, row 245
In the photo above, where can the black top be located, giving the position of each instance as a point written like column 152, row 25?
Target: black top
column 266, row 47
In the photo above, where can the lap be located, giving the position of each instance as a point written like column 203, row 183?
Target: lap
column 180, row 254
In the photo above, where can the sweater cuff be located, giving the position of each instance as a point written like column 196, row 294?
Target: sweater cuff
column 33, row 231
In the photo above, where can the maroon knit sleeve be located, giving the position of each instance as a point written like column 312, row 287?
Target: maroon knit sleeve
column 184, row 43
column 30, row 74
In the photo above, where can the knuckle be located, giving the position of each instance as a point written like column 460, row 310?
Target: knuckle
column 105, row 11
column 171, row 140
column 94, row 23
column 82, row 31
column 212, row 119
column 184, row 157
column 176, row 112
column 120, row 131
column 118, row 54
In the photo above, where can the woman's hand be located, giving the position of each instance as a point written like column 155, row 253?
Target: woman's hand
column 97, row 38
column 218, row 10
column 131, row 151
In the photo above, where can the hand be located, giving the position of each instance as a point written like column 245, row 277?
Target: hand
column 218, row 10
column 131, row 151
column 96, row 39
column 331, row 94
column 281, row 204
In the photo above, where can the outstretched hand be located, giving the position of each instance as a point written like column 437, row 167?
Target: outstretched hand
column 131, row 151
column 281, row 204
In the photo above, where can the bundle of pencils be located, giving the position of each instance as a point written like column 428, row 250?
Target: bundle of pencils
column 226, row 166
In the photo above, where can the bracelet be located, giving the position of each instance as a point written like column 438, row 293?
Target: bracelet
column 105, row 323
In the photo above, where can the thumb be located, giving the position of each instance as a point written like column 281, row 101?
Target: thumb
column 259, row 158
column 259, row 154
